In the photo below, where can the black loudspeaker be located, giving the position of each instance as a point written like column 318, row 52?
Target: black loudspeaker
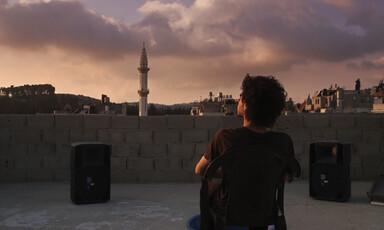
column 90, row 172
column 329, row 166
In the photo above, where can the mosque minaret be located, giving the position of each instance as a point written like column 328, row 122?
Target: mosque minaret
column 143, row 91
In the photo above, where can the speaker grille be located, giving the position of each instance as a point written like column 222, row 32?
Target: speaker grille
column 92, row 184
column 329, row 165
column 326, row 181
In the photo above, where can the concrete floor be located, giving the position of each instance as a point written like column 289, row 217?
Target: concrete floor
column 168, row 206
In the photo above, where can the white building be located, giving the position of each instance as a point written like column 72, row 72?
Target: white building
column 143, row 90
column 336, row 99
column 216, row 106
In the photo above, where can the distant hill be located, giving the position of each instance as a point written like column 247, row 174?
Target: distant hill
column 32, row 104
column 32, row 99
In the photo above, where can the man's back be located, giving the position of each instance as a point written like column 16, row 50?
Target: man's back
column 261, row 102
column 229, row 138
column 251, row 176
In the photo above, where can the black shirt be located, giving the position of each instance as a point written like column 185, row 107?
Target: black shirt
column 228, row 138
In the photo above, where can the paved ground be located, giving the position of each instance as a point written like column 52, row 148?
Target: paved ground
column 168, row 206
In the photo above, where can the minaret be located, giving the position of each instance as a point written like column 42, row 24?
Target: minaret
column 143, row 91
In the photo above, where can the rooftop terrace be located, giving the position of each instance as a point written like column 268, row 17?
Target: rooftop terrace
column 168, row 206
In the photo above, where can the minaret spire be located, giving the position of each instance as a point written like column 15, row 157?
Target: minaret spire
column 143, row 91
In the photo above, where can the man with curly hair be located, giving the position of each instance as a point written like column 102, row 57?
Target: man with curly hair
column 261, row 102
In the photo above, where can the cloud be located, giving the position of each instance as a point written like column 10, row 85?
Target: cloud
column 287, row 32
column 295, row 28
column 3, row 3
column 66, row 25
column 367, row 65
column 342, row 4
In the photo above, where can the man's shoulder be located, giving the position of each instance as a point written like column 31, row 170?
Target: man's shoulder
column 228, row 131
column 244, row 133
column 281, row 139
column 280, row 134
column 228, row 134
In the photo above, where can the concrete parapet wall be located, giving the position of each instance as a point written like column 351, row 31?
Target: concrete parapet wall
column 167, row 148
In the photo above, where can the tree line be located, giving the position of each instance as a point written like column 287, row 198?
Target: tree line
column 28, row 99
column 167, row 110
column 27, row 90
column 32, row 99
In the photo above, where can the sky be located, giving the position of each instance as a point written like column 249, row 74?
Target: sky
column 92, row 47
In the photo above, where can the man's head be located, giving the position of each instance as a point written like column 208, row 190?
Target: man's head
column 262, row 100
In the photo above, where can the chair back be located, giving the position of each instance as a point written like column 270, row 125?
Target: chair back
column 254, row 175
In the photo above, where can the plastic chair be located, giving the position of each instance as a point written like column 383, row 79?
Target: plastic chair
column 194, row 224
column 254, row 177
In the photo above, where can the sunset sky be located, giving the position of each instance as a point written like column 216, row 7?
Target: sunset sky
column 92, row 47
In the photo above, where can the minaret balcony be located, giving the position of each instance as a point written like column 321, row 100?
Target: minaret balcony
column 143, row 92
column 143, row 69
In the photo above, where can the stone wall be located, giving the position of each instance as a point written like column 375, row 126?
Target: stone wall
column 166, row 148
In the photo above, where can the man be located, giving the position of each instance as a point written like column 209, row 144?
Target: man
column 261, row 102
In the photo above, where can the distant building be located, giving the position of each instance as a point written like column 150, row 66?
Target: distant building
column 378, row 98
column 339, row 100
column 109, row 108
column 289, row 107
column 378, row 102
column 104, row 106
column 215, row 106
column 143, row 91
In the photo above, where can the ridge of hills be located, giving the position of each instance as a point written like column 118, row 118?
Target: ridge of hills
column 32, row 104
column 41, row 98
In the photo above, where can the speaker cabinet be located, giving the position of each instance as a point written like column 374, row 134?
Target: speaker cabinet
column 329, row 166
column 90, row 172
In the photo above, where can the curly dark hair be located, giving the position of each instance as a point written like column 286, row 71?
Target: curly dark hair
column 265, row 99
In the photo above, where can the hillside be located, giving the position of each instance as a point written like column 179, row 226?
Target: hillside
column 32, row 99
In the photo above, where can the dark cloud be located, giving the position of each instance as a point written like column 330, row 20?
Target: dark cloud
column 166, row 41
column 300, row 30
column 295, row 30
column 3, row 3
column 365, row 65
column 353, row 65
column 66, row 25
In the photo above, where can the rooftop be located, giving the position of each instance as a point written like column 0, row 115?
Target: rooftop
column 168, row 206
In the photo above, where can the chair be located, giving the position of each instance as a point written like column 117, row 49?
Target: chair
column 251, row 189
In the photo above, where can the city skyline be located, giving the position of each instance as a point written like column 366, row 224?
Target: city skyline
column 92, row 47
